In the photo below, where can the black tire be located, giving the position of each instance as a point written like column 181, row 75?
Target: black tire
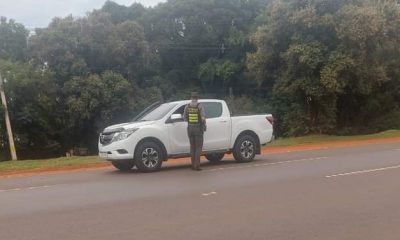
column 148, row 157
column 123, row 165
column 245, row 148
column 215, row 157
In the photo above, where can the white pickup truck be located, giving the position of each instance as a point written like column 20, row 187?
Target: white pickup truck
column 160, row 133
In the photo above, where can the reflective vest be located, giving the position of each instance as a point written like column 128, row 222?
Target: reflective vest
column 193, row 115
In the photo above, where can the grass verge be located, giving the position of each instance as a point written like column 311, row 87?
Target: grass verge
column 55, row 163
column 9, row 166
column 330, row 138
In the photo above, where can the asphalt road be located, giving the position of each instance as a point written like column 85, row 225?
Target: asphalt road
column 343, row 193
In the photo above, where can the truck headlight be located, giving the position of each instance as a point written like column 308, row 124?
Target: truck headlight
column 123, row 135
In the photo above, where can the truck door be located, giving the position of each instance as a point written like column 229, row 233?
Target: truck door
column 218, row 132
column 177, row 132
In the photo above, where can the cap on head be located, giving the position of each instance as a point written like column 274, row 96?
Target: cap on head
column 194, row 95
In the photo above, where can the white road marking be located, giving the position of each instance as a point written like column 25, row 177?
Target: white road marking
column 27, row 188
column 266, row 164
column 364, row 171
column 208, row 194
column 45, row 186
column 296, row 160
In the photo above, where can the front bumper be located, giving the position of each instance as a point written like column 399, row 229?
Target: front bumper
column 121, row 150
column 114, row 155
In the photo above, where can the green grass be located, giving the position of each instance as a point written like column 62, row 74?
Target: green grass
column 6, row 166
column 329, row 138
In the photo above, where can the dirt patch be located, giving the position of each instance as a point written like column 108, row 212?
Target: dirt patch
column 265, row 150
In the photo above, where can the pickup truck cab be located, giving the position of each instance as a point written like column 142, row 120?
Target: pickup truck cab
column 160, row 133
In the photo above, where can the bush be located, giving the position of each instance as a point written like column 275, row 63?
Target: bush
column 244, row 105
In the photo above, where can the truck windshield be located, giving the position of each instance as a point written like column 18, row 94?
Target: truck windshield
column 146, row 110
column 157, row 113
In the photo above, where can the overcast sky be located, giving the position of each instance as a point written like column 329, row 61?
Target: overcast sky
column 38, row 13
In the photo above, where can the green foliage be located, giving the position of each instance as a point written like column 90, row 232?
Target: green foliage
column 13, row 40
column 191, row 36
column 57, row 47
column 94, row 102
column 240, row 105
column 32, row 103
column 92, row 45
column 120, row 13
column 328, row 62
column 245, row 105
column 218, row 73
column 320, row 66
column 318, row 139
column 43, row 164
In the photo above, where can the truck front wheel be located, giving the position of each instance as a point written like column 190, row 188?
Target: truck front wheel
column 148, row 157
column 245, row 149
column 123, row 165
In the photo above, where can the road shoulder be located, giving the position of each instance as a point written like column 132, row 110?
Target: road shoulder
column 266, row 150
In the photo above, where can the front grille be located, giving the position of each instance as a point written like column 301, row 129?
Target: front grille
column 106, row 138
column 107, row 135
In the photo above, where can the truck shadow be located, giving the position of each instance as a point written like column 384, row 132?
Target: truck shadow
column 167, row 167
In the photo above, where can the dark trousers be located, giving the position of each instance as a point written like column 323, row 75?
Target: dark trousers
column 195, row 134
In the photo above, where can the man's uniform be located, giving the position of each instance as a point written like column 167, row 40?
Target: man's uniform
column 194, row 115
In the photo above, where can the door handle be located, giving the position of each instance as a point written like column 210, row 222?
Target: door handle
column 223, row 121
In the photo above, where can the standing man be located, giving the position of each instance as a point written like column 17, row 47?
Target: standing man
column 196, row 118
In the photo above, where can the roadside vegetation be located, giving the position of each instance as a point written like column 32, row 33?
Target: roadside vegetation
column 291, row 141
column 52, row 163
column 320, row 66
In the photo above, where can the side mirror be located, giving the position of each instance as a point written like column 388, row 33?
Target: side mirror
column 176, row 117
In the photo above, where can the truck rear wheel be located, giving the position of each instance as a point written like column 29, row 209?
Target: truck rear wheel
column 245, row 149
column 148, row 157
column 123, row 165
column 215, row 157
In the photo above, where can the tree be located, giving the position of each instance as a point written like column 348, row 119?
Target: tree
column 321, row 66
column 218, row 74
column 77, row 47
column 32, row 102
column 121, row 13
column 191, row 35
column 325, row 60
column 13, row 40
column 369, row 33
column 58, row 47
column 94, row 102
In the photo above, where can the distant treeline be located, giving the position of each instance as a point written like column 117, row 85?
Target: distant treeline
column 320, row 66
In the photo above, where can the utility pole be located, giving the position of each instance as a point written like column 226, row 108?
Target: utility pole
column 8, row 123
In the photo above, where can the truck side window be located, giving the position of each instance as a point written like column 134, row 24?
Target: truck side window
column 212, row 109
column 180, row 110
